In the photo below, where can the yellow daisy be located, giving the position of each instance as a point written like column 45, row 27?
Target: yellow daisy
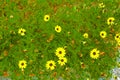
column 60, row 52
column 115, row 77
column 46, row 18
column 58, row 28
column 22, row 64
column 103, row 34
column 101, row 5
column 94, row 53
column 62, row 61
column 50, row 65
column 21, row 31
column 85, row 35
column 118, row 43
column 110, row 20
column 117, row 37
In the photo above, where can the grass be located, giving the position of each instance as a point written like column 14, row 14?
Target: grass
column 40, row 41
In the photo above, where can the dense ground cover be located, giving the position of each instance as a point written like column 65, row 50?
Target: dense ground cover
column 59, row 39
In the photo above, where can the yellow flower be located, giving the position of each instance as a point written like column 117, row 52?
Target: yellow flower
column 60, row 52
column 62, row 61
column 22, row 64
column 21, row 31
column 115, row 77
column 117, row 37
column 46, row 18
column 58, row 29
column 85, row 35
column 101, row 5
column 50, row 65
column 118, row 42
column 94, row 53
column 103, row 34
column 110, row 20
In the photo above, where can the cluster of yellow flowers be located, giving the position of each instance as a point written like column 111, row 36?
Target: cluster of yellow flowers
column 110, row 21
column 57, row 27
column 95, row 53
column 60, row 53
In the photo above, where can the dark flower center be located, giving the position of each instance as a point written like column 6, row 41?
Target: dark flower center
column 94, row 53
column 50, row 64
column 115, row 77
column 102, row 34
column 60, row 52
column 46, row 17
column 57, row 28
column 110, row 20
column 117, row 36
column 21, row 31
column 22, row 64
column 62, row 60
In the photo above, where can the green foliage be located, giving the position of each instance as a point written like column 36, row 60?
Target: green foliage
column 40, row 41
